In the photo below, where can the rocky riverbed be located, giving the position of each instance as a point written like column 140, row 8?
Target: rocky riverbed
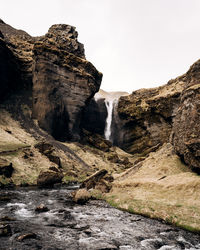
column 61, row 224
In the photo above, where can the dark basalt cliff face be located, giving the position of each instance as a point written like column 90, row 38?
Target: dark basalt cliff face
column 146, row 117
column 9, row 71
column 54, row 70
column 63, row 82
column 20, row 44
column 94, row 116
column 186, row 127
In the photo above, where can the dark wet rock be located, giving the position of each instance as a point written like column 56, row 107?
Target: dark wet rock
column 26, row 236
column 41, row 208
column 92, row 180
column 96, row 141
column 186, row 129
column 20, row 44
column 49, row 178
column 94, row 116
column 145, row 117
column 81, row 196
column 6, row 218
column 9, row 71
column 60, row 64
column 24, row 184
column 5, row 230
column 6, row 168
column 1, row 35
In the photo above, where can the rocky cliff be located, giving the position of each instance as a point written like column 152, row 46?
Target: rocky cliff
column 54, row 70
column 63, row 82
column 146, row 116
column 186, row 129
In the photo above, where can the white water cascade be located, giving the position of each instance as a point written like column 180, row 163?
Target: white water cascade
column 110, row 104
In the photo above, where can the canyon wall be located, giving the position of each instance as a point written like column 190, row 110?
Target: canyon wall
column 148, row 118
column 54, row 72
column 63, row 82
column 186, row 129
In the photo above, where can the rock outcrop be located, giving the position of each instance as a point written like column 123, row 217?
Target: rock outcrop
column 49, row 178
column 81, row 196
column 20, row 44
column 94, row 116
column 54, row 72
column 9, row 71
column 146, row 117
column 186, row 129
column 63, row 82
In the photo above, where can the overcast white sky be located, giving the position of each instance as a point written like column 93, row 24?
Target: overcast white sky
column 134, row 43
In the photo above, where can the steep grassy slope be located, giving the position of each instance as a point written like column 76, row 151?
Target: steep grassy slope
column 161, row 187
column 18, row 146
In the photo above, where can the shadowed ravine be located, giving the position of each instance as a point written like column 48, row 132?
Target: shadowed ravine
column 95, row 225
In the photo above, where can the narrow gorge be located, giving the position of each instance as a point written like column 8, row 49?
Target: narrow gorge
column 71, row 154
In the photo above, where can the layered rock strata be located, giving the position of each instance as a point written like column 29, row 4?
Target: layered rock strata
column 94, row 117
column 20, row 45
column 63, row 82
column 150, row 117
column 146, row 116
column 186, row 129
column 54, row 70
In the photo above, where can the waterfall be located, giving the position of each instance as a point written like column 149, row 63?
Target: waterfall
column 111, row 101
column 110, row 104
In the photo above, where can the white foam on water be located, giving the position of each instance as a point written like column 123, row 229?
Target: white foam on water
column 16, row 204
column 147, row 242
column 21, row 210
column 24, row 213
column 167, row 247
column 50, row 201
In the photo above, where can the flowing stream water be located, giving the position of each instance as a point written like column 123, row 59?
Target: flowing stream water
column 95, row 225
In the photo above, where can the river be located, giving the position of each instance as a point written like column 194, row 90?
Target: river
column 95, row 225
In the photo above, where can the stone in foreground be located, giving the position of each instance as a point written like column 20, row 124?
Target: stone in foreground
column 49, row 178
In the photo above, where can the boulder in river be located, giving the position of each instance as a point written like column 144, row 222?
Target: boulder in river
column 49, row 178
column 81, row 196
column 41, row 208
column 5, row 230
column 27, row 236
